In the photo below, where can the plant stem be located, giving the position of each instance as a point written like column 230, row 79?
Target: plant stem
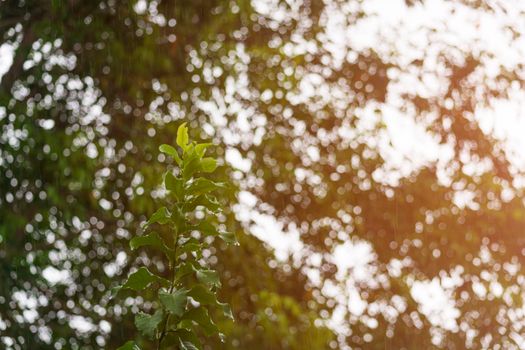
column 172, row 286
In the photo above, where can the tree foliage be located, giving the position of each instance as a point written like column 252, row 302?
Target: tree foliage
column 80, row 176
column 96, row 86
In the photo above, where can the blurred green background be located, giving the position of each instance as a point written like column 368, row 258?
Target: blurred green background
column 299, row 117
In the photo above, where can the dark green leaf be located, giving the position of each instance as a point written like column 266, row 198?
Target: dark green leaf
column 176, row 186
column 186, row 345
column 208, row 202
column 226, row 310
column 178, row 218
column 202, row 295
column 183, row 270
column 188, row 338
column 115, row 291
column 229, row 238
column 161, row 216
column 209, row 277
column 141, row 279
column 147, row 324
column 130, row 345
column 190, row 245
column 174, row 302
column 202, row 186
column 200, row 316
column 192, row 166
column 206, row 228
column 152, row 239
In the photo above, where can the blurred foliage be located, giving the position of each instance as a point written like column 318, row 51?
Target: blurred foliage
column 79, row 173
column 96, row 86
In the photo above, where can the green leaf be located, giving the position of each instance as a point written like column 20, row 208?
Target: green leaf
column 182, row 136
column 206, row 228
column 130, row 345
column 141, row 279
column 203, row 296
column 209, row 277
column 161, row 216
column 147, row 324
column 201, row 316
column 114, row 291
column 174, row 302
column 188, row 339
column 176, row 186
column 190, row 245
column 229, row 238
column 191, row 166
column 178, row 217
column 200, row 149
column 186, row 345
column 226, row 310
column 171, row 151
column 202, row 186
column 208, row 165
column 183, row 270
column 152, row 239
column 208, row 202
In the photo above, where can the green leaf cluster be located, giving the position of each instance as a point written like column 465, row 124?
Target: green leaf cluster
column 181, row 313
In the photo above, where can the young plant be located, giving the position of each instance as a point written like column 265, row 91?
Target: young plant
column 183, row 299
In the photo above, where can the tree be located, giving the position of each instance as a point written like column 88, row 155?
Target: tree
column 139, row 68
column 77, row 170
